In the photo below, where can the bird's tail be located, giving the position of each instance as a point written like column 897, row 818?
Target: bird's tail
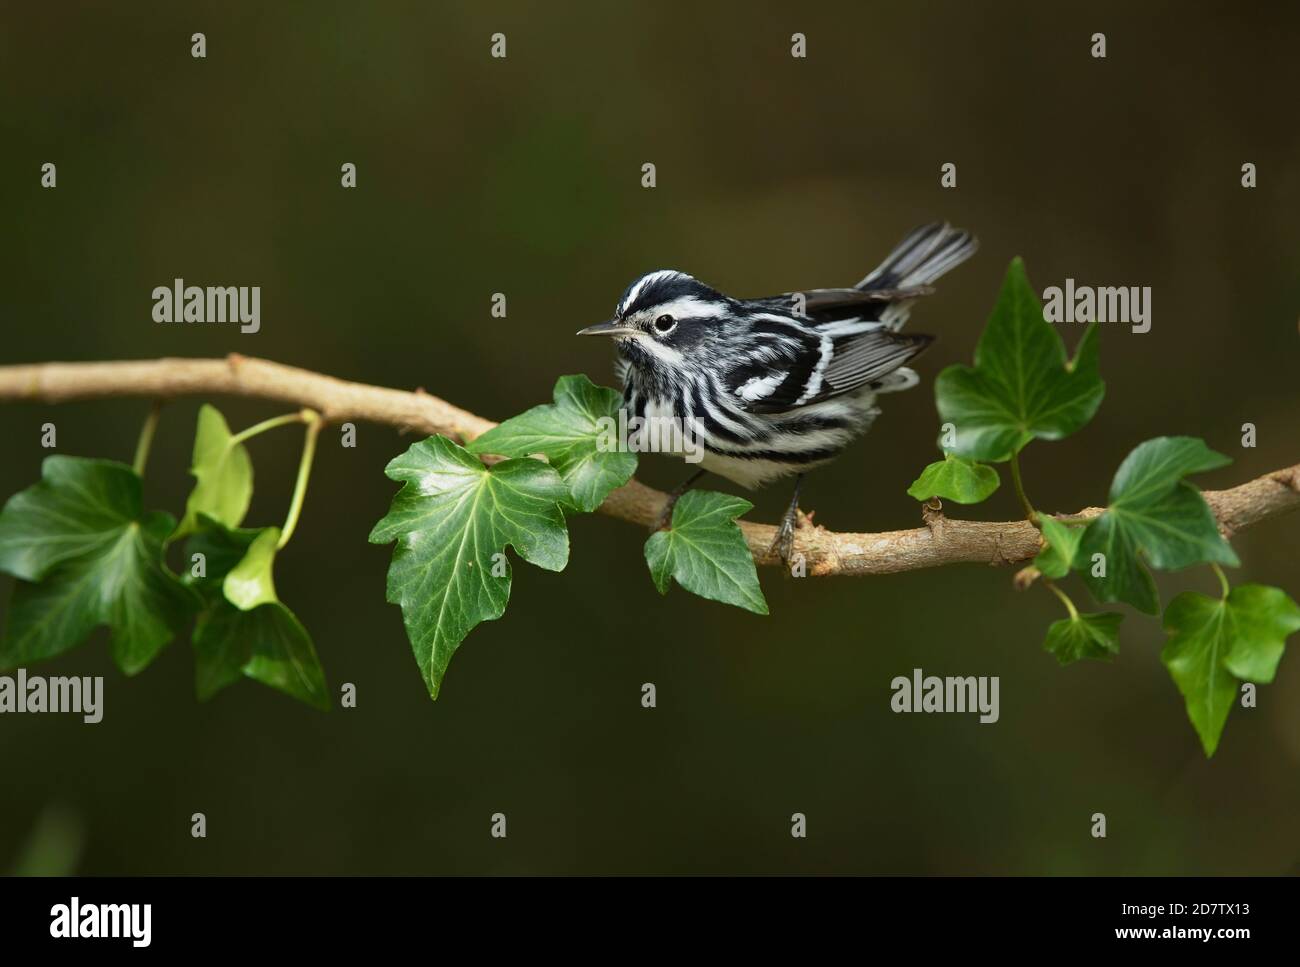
column 924, row 255
column 920, row 258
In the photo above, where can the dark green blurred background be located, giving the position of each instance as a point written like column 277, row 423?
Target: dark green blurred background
column 523, row 176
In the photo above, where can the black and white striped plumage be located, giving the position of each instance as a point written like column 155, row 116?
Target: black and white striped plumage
column 774, row 393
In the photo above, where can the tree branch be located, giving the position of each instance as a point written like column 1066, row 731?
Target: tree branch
column 942, row 541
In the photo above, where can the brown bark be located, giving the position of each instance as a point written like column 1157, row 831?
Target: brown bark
column 942, row 541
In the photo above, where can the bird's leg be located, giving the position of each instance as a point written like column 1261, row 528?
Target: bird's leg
column 784, row 543
column 666, row 516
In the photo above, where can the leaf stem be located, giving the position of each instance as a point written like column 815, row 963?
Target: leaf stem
column 1020, row 489
column 1223, row 579
column 298, row 417
column 1065, row 599
column 314, row 423
column 145, row 442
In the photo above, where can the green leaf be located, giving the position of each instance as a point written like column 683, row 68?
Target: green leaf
column 452, row 520
column 222, row 549
column 267, row 644
column 1055, row 560
column 244, row 630
column 1022, row 386
column 575, row 435
column 705, row 551
column 86, row 555
column 78, row 507
column 957, row 479
column 224, row 475
column 1153, row 516
column 1260, row 619
column 1213, row 642
column 1154, row 467
column 249, row 582
column 1084, row 636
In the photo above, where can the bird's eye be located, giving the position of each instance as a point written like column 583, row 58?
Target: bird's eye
column 665, row 323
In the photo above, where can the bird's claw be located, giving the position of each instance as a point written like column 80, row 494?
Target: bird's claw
column 783, row 546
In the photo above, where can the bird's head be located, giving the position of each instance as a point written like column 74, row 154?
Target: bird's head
column 667, row 319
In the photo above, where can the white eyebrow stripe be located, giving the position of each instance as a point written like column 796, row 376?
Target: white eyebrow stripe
column 689, row 307
column 641, row 283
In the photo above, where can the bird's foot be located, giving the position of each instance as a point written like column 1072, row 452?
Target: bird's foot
column 783, row 546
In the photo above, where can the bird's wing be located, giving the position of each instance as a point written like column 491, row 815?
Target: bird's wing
column 817, row 363
column 830, row 305
column 859, row 360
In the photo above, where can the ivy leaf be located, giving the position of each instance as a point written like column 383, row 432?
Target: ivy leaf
column 1262, row 618
column 214, row 550
column 268, row 644
column 86, row 555
column 1022, row 386
column 705, row 551
column 1084, row 636
column 957, row 479
column 452, row 520
column 1213, row 642
column 249, row 583
column 1054, row 560
column 245, row 631
column 1153, row 516
column 223, row 474
column 575, row 436
column 78, row 507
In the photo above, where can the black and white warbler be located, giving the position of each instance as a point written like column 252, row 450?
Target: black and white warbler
column 776, row 386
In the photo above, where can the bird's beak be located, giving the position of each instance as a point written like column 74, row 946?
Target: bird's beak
column 614, row 327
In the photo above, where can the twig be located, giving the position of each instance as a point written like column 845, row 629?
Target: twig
column 825, row 552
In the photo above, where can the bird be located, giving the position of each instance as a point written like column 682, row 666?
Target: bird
column 776, row 386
